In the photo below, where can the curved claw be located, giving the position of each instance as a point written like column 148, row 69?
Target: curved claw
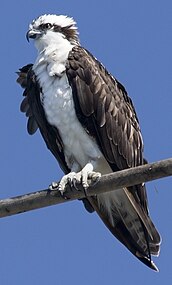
column 94, row 177
column 53, row 186
column 74, row 183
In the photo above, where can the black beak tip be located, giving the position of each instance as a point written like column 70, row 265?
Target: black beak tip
column 27, row 36
column 31, row 35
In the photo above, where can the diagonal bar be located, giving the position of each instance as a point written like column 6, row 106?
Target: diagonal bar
column 110, row 182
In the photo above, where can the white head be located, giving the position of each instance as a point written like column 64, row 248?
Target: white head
column 53, row 29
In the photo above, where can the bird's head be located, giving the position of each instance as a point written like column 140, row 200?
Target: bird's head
column 56, row 29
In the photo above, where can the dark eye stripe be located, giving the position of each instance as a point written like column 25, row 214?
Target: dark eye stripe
column 45, row 26
column 57, row 28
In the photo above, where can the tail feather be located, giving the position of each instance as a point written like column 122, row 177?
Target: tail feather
column 152, row 232
column 125, row 223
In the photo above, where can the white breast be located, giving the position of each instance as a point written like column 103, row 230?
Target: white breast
column 59, row 108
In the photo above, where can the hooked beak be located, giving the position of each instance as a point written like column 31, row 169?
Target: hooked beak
column 32, row 34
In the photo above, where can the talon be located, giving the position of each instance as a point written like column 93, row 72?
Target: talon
column 56, row 186
column 72, row 181
column 85, row 185
column 61, row 189
column 62, row 193
column 75, row 182
column 69, row 180
column 53, row 186
column 94, row 177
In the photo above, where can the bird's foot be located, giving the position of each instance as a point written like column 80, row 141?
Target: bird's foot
column 86, row 177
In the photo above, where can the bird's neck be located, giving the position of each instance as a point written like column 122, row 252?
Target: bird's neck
column 53, row 55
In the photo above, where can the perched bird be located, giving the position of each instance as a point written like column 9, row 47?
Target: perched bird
column 90, row 125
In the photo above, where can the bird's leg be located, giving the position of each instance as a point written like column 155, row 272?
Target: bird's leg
column 74, row 178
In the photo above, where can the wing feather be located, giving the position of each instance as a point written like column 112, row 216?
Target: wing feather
column 103, row 95
column 103, row 103
column 31, row 105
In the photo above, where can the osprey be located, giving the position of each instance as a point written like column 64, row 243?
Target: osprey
column 90, row 125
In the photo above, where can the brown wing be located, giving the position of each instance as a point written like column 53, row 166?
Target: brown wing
column 104, row 108
column 107, row 113
column 31, row 105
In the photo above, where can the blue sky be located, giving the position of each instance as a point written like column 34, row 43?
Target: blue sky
column 64, row 244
